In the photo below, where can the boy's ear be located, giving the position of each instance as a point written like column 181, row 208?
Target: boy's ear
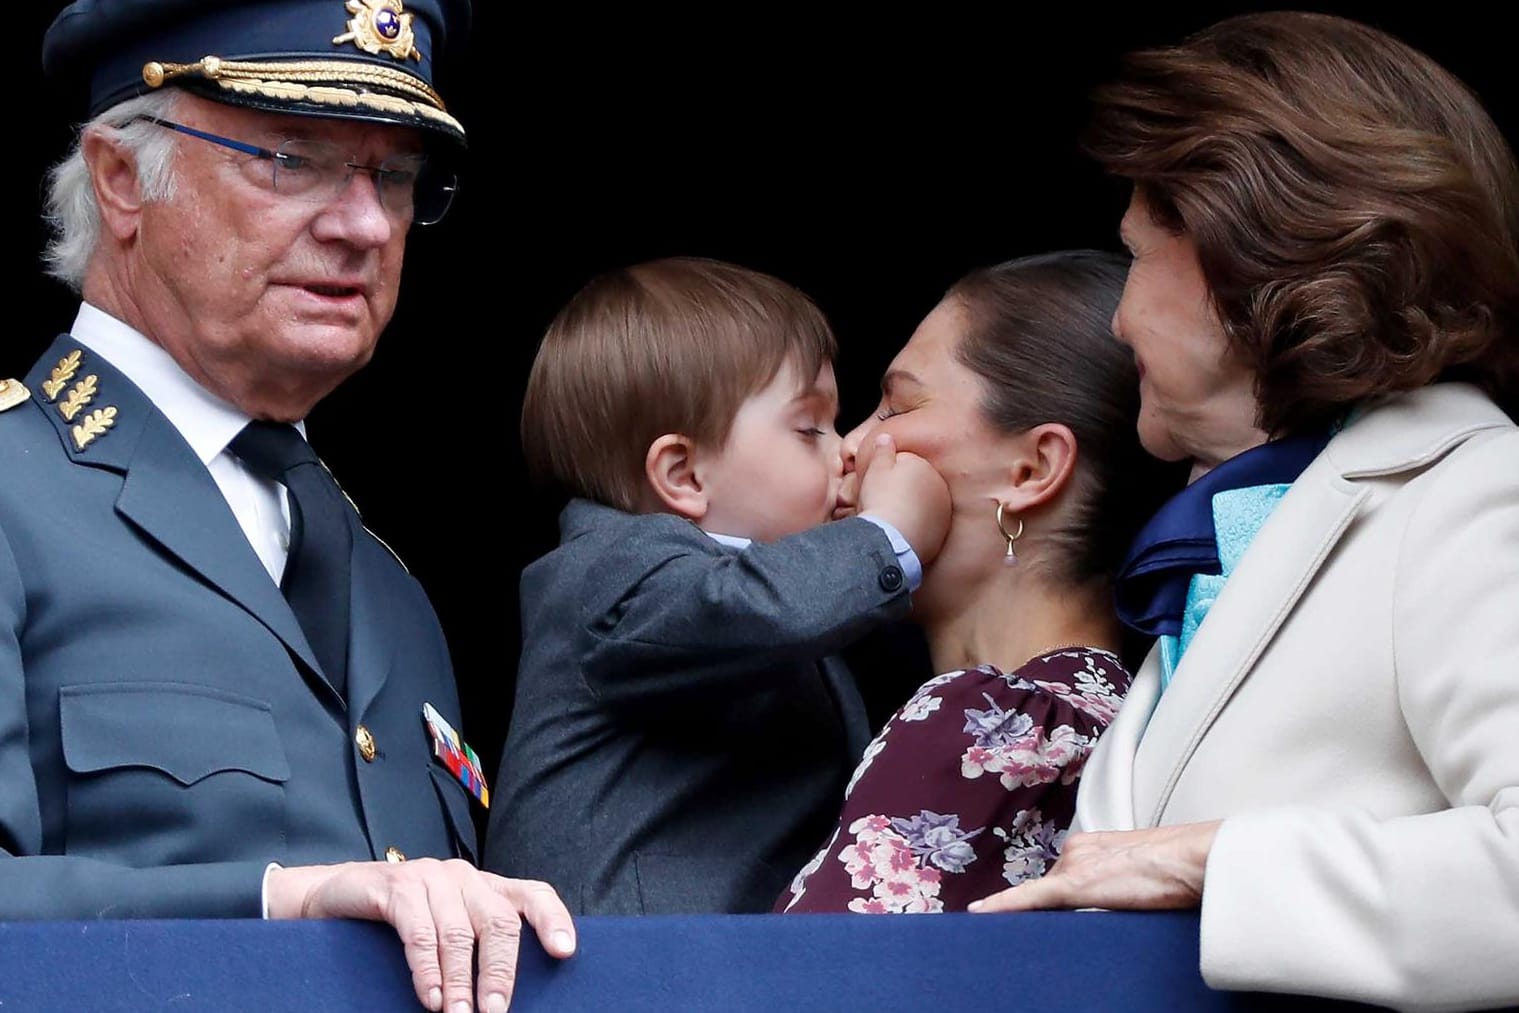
column 670, row 467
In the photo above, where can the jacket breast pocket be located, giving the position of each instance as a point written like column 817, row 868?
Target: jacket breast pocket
column 167, row 773
column 456, row 802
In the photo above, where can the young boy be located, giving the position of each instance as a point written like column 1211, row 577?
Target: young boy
column 680, row 739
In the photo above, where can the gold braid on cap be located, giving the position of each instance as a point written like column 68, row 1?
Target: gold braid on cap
column 287, row 81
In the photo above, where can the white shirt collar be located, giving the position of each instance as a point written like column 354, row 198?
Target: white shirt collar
column 732, row 541
column 206, row 422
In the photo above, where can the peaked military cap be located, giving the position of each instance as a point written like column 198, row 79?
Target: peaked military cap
column 372, row 60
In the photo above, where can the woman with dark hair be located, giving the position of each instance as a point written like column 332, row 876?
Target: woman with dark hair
column 1015, row 391
column 1322, row 749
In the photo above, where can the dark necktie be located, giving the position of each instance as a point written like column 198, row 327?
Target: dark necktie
column 317, row 580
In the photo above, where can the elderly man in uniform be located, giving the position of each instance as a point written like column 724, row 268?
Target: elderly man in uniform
column 220, row 696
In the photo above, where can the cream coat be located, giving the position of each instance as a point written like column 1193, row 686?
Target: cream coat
column 1350, row 709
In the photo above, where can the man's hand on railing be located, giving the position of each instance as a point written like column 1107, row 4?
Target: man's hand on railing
column 443, row 911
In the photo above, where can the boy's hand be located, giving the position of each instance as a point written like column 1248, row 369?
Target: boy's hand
column 905, row 491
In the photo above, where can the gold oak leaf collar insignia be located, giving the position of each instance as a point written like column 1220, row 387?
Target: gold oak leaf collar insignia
column 96, row 423
column 93, row 425
column 61, row 375
column 82, row 394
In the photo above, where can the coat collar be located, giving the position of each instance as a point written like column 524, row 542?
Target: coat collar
column 1409, row 431
column 1141, row 758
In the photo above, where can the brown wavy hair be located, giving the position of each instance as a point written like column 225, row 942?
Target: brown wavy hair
column 1355, row 209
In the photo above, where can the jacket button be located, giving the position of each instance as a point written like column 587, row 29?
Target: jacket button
column 365, row 742
column 394, row 854
column 891, row 578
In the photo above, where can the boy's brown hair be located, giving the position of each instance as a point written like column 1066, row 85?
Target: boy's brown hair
column 668, row 346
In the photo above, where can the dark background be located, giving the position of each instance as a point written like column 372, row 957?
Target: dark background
column 869, row 161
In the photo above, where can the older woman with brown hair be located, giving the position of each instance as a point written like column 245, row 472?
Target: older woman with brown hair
column 1322, row 749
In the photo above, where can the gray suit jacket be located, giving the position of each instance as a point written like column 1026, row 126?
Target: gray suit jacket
column 165, row 731
column 680, row 741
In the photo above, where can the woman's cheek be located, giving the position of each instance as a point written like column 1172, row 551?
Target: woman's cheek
column 866, row 450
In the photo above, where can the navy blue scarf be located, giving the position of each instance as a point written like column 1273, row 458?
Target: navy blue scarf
column 1179, row 541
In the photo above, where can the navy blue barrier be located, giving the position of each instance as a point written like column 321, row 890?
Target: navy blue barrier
column 1044, row 962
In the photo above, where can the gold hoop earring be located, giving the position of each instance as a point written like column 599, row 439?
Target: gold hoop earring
column 1011, row 557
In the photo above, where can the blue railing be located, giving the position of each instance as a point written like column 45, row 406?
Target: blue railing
column 1031, row 963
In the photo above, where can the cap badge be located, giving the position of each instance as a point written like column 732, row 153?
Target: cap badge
column 380, row 26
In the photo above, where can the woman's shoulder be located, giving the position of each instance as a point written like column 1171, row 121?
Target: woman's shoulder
column 1089, row 681
column 1063, row 664
column 1076, row 665
column 1413, row 430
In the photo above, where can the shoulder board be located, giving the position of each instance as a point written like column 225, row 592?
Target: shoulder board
column 12, row 393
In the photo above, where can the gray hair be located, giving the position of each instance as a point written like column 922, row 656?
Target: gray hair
column 72, row 212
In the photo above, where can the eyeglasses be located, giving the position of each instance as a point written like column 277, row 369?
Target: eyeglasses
column 409, row 186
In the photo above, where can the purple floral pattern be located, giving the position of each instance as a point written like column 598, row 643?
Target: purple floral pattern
column 1032, row 846
column 882, row 861
column 920, row 708
column 968, row 788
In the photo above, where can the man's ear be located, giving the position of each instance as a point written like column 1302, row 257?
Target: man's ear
column 670, row 467
column 113, row 176
column 1042, row 467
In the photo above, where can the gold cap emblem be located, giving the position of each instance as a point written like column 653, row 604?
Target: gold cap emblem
column 380, row 26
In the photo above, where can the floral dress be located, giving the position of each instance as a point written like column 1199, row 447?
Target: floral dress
column 968, row 789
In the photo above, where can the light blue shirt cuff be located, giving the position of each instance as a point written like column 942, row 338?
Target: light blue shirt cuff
column 912, row 569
